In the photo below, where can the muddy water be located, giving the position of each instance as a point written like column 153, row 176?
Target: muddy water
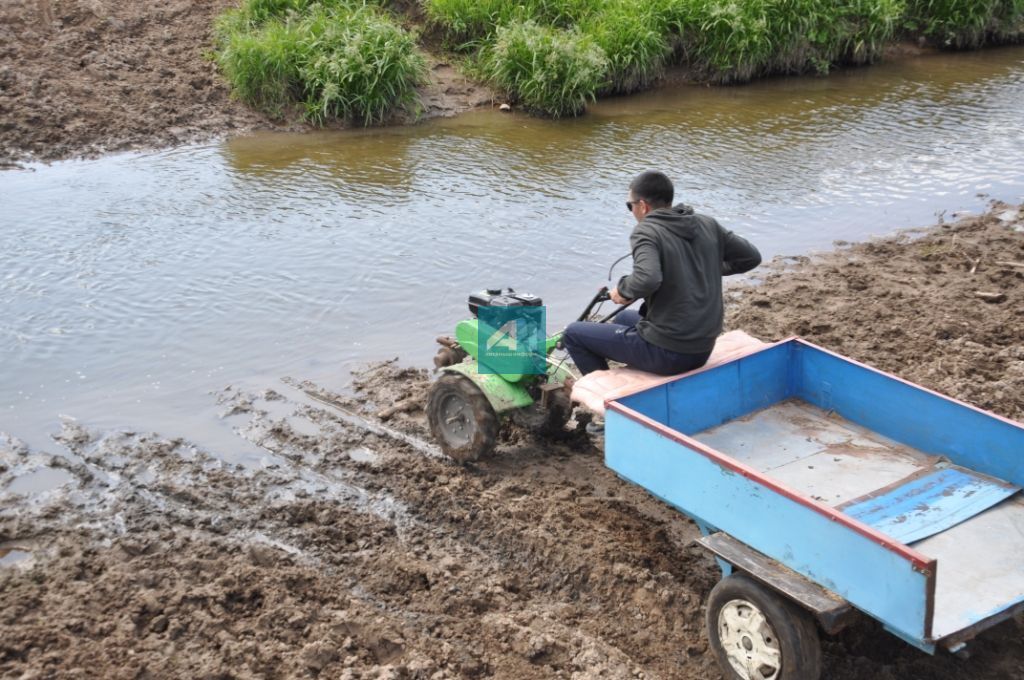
column 133, row 285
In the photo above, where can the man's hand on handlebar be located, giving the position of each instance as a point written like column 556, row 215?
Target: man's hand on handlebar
column 617, row 298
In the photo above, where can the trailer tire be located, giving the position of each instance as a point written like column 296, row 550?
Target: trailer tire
column 756, row 634
column 461, row 419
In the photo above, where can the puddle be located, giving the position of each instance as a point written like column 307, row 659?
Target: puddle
column 303, row 427
column 38, row 481
column 361, row 454
column 11, row 556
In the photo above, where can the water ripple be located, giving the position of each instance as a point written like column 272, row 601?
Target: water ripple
column 131, row 285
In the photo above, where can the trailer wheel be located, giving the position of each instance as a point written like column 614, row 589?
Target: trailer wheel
column 461, row 419
column 758, row 635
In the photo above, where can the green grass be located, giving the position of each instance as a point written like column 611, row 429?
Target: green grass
column 729, row 41
column 263, row 65
column 872, row 24
column 469, row 23
column 734, row 41
column 363, row 67
column 258, row 12
column 634, row 40
column 963, row 24
column 549, row 70
column 332, row 59
column 349, row 59
column 722, row 40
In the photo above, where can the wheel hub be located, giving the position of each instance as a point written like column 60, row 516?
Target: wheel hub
column 749, row 641
column 457, row 420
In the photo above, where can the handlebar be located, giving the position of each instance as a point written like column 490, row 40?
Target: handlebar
column 601, row 296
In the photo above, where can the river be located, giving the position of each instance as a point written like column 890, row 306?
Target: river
column 134, row 285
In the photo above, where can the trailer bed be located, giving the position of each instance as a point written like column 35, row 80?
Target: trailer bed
column 903, row 502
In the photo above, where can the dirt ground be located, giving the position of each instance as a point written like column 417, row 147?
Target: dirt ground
column 945, row 311
column 80, row 77
column 354, row 550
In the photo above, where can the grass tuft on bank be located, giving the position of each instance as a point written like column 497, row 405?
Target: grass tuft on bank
column 723, row 41
column 737, row 41
column 635, row 43
column 967, row 24
column 552, row 70
column 334, row 59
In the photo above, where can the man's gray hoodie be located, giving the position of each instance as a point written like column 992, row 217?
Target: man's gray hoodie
column 679, row 259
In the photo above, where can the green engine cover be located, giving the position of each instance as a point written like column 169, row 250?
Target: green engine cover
column 505, row 391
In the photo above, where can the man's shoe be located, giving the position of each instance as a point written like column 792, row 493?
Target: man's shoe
column 595, row 427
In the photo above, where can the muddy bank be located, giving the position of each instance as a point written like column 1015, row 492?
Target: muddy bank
column 83, row 77
column 346, row 555
column 348, row 552
column 945, row 310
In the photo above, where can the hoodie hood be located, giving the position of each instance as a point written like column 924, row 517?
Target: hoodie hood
column 678, row 220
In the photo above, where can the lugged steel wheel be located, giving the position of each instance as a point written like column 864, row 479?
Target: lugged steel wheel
column 461, row 419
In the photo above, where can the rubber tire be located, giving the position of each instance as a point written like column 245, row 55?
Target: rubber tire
column 794, row 627
column 485, row 419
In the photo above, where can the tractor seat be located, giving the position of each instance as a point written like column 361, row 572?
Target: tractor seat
column 594, row 388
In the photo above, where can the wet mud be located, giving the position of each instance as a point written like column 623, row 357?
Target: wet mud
column 354, row 550
column 84, row 77
column 944, row 309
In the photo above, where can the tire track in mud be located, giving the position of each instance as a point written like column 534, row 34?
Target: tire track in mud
column 144, row 500
column 190, row 505
column 498, row 535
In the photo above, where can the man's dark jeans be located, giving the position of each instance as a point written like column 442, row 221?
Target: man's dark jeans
column 590, row 344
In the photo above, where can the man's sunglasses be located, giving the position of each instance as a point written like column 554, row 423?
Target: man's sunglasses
column 630, row 204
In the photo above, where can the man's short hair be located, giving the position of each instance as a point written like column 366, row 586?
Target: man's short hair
column 653, row 187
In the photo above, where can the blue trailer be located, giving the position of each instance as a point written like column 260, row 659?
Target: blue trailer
column 826, row 488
